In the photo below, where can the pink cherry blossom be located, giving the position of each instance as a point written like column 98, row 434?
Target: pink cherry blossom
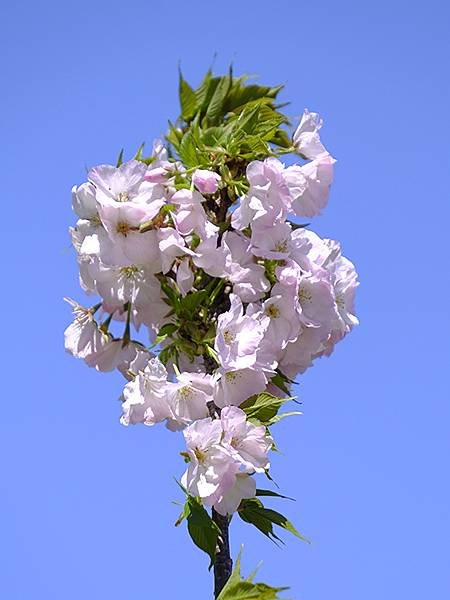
column 244, row 487
column 306, row 137
column 234, row 387
column 238, row 337
column 206, row 181
column 249, row 444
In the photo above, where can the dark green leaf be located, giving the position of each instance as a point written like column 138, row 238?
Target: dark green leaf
column 279, row 381
column 254, row 512
column 192, row 301
column 168, row 329
column 202, row 529
column 260, row 492
column 119, row 159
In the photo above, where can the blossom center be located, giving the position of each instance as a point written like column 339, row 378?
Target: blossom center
column 231, row 376
column 281, row 246
column 130, row 271
column 272, row 311
column 304, row 296
column 123, row 228
column 199, row 455
column 123, row 197
column 185, row 392
column 228, row 336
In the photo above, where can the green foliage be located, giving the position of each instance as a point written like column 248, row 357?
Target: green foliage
column 202, row 529
column 119, row 159
column 238, row 588
column 225, row 123
column 264, row 408
column 271, row 493
column 254, row 512
column 192, row 328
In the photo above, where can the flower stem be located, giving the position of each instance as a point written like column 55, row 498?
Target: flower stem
column 223, row 564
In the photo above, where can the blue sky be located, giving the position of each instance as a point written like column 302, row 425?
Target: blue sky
column 85, row 504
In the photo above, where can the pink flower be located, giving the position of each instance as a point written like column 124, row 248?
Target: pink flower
column 306, row 137
column 244, row 487
column 238, row 337
column 206, row 181
column 212, row 470
column 309, row 185
column 234, row 387
column 249, row 444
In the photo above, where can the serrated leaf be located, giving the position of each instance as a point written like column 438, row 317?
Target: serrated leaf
column 202, row 91
column 202, row 529
column 281, row 139
column 192, row 301
column 254, row 512
column 188, row 99
column 246, row 590
column 216, row 104
column 238, row 588
column 263, row 407
column 187, row 150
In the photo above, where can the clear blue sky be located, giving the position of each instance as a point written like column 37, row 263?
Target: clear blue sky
column 85, row 504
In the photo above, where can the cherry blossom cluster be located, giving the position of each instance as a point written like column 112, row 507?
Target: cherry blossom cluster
column 150, row 236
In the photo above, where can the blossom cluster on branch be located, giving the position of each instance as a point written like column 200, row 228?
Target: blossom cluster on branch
column 223, row 297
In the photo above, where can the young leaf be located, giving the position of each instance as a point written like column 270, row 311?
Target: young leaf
column 188, row 99
column 263, row 407
column 215, row 107
column 138, row 155
column 119, row 159
column 238, row 588
column 278, row 418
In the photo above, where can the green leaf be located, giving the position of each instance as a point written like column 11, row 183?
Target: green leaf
column 298, row 225
column 238, row 588
column 138, row 155
column 165, row 331
column 254, row 512
column 201, row 92
column 119, row 159
column 278, row 418
column 271, row 493
column 282, row 139
column 192, row 301
column 216, row 104
column 188, row 99
column 212, row 353
column 202, row 529
column 263, row 407
column 188, row 150
column 172, row 297
column 280, row 382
